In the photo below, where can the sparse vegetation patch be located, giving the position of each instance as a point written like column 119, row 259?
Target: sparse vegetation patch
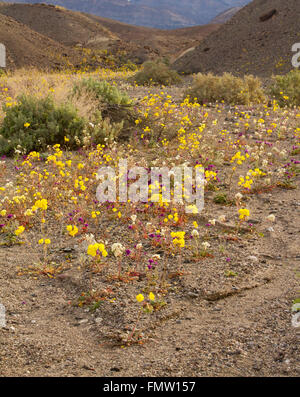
column 208, row 88
column 156, row 73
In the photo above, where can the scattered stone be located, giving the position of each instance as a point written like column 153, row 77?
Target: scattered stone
column 268, row 15
column 192, row 295
column 115, row 369
column 253, row 221
column 257, row 366
column 88, row 368
column 253, row 259
column 269, row 231
column 67, row 250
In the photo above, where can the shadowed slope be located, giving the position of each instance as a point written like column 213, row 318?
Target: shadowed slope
column 246, row 44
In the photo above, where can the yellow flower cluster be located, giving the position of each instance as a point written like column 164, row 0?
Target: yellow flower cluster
column 256, row 172
column 245, row 182
column 239, row 158
column 73, row 230
column 40, row 204
column 140, row 297
column 210, row 175
column 46, row 241
column 95, row 213
column 244, row 213
column 20, row 230
column 79, row 183
column 178, row 239
column 172, row 217
column 97, row 249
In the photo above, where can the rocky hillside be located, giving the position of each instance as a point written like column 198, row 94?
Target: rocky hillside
column 25, row 47
column 49, row 36
column 64, row 26
column 257, row 40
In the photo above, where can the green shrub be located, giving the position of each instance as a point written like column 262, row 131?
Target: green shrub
column 227, row 88
column 286, row 89
column 156, row 73
column 129, row 65
column 101, row 130
column 34, row 123
column 220, row 198
column 103, row 91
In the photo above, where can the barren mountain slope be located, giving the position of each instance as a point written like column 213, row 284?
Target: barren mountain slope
column 257, row 40
column 163, row 42
column 64, row 26
column 71, row 29
column 26, row 47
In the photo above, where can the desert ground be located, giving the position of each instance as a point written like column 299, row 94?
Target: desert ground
column 145, row 289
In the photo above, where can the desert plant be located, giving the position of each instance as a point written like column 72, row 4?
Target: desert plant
column 286, row 89
column 156, row 73
column 34, row 123
column 129, row 65
column 113, row 104
column 226, row 88
column 103, row 91
column 220, row 198
column 101, row 130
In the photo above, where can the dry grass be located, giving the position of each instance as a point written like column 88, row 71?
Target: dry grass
column 208, row 88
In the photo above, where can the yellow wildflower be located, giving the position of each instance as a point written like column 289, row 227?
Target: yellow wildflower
column 151, row 296
column 140, row 298
column 20, row 230
column 244, row 212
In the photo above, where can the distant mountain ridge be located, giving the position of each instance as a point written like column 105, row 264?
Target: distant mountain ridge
column 161, row 14
column 226, row 15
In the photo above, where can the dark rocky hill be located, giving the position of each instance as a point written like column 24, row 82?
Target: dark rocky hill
column 257, row 40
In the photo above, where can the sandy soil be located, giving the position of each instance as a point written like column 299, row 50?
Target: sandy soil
column 212, row 326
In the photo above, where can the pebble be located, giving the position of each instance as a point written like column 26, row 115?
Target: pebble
column 268, row 232
column 253, row 221
column 253, row 259
column 67, row 249
column 193, row 295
